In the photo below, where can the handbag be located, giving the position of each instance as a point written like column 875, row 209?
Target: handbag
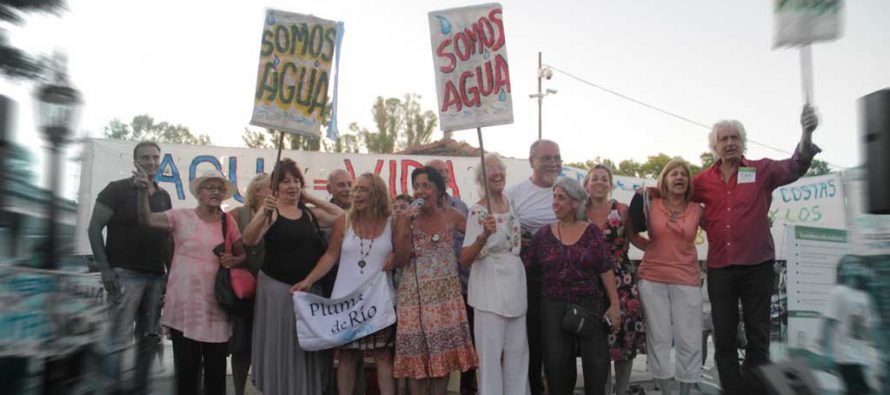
column 234, row 288
column 577, row 319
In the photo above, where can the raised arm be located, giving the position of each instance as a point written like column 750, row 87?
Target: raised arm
column 261, row 222
column 327, row 261
column 325, row 212
column 146, row 217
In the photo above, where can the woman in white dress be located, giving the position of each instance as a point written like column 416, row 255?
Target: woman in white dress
column 362, row 244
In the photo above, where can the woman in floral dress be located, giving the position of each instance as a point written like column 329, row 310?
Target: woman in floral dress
column 613, row 220
column 432, row 334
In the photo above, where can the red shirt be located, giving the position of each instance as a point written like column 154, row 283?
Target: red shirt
column 737, row 214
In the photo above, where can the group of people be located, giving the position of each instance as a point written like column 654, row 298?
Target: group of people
column 515, row 286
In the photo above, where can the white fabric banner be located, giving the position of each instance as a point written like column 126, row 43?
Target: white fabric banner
column 326, row 323
column 811, row 201
column 801, row 22
column 471, row 69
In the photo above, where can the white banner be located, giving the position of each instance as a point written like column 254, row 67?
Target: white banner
column 811, row 201
column 801, row 22
column 327, row 323
column 472, row 73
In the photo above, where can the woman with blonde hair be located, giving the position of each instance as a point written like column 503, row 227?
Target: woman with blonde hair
column 669, row 281
column 362, row 244
column 239, row 345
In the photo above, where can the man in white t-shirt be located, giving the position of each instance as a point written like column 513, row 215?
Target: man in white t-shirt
column 851, row 325
column 532, row 200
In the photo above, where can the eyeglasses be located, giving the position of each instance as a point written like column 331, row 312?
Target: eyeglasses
column 550, row 158
column 220, row 190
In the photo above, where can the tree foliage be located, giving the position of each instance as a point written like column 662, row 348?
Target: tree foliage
column 14, row 62
column 818, row 168
column 400, row 123
column 144, row 128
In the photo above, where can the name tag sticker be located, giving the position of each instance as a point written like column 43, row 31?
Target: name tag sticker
column 747, row 175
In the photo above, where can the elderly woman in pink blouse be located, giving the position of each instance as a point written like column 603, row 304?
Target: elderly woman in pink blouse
column 199, row 328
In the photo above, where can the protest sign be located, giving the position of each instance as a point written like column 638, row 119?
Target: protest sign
column 801, row 22
column 470, row 61
column 326, row 323
column 294, row 73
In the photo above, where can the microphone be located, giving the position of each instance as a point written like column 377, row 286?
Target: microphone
column 417, row 203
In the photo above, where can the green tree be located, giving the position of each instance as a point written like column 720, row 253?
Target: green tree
column 653, row 165
column 818, row 168
column 14, row 62
column 397, row 121
column 590, row 163
column 707, row 159
column 628, row 167
column 143, row 127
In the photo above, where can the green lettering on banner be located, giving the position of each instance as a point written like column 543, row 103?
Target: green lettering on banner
column 804, row 314
column 817, row 7
column 820, row 234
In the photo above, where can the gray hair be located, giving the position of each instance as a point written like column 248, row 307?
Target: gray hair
column 576, row 193
column 534, row 147
column 480, row 178
column 334, row 173
column 727, row 123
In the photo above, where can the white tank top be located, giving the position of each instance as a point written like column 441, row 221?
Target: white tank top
column 351, row 272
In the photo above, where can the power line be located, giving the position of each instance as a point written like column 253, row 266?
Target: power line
column 665, row 112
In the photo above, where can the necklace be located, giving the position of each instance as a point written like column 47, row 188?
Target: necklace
column 362, row 254
column 675, row 210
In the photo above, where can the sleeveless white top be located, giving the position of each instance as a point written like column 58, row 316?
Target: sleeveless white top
column 349, row 274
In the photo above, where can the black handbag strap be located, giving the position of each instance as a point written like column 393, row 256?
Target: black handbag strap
column 225, row 230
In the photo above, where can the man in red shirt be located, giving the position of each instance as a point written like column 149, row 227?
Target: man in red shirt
column 737, row 193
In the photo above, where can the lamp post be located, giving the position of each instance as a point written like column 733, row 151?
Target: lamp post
column 543, row 72
column 58, row 105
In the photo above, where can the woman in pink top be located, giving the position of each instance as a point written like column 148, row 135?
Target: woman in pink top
column 669, row 281
column 199, row 328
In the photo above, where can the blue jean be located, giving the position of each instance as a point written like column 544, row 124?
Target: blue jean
column 135, row 310
column 560, row 346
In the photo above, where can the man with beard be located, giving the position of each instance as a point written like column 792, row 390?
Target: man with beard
column 532, row 200
column 132, row 261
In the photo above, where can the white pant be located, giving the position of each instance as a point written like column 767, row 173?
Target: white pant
column 500, row 338
column 673, row 313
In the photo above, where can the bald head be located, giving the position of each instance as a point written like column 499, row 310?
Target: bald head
column 340, row 188
column 442, row 168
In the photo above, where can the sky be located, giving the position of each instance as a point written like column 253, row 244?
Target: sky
column 194, row 63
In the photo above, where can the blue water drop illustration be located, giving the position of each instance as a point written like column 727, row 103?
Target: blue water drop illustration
column 276, row 61
column 486, row 54
column 503, row 95
column 317, row 64
column 270, row 18
column 444, row 25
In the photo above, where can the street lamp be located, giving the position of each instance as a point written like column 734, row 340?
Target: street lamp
column 543, row 72
column 58, row 104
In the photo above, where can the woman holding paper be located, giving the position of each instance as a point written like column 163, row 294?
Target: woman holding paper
column 497, row 286
column 432, row 335
column 293, row 243
column 669, row 281
column 362, row 244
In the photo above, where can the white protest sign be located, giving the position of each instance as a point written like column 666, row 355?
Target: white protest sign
column 472, row 73
column 326, row 323
column 801, row 22
column 294, row 73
